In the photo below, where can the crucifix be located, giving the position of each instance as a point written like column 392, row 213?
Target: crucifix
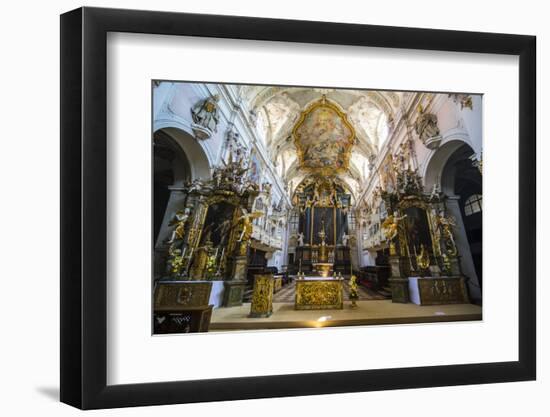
column 322, row 233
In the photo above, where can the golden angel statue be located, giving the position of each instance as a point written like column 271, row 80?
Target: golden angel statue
column 247, row 227
column 390, row 228
column 179, row 220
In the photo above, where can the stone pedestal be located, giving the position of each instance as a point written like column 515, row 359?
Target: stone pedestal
column 395, row 266
column 239, row 268
column 235, row 287
column 399, row 290
column 454, row 263
column 233, row 293
column 399, row 285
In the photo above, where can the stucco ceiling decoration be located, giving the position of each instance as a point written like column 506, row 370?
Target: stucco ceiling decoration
column 323, row 137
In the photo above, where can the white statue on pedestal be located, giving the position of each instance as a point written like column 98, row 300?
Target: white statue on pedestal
column 300, row 239
column 345, row 239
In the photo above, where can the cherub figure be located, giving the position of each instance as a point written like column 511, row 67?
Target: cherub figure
column 300, row 239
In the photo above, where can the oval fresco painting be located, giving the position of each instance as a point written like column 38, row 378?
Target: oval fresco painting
column 323, row 138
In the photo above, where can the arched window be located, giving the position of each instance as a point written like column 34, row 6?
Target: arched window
column 473, row 204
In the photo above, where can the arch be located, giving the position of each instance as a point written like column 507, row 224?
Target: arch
column 178, row 158
column 450, row 167
column 198, row 157
column 436, row 162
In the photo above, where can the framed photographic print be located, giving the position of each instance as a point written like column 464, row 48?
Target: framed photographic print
column 259, row 208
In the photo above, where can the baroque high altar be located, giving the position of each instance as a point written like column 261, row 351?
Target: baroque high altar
column 323, row 236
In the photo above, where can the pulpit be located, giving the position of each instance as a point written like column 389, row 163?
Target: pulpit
column 182, row 307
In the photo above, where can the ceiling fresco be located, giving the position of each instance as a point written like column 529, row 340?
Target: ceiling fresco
column 323, row 138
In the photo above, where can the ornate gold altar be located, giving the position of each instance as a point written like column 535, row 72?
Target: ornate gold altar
column 212, row 233
column 262, row 296
column 319, row 294
column 418, row 230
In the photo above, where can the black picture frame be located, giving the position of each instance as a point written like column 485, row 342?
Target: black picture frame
column 84, row 207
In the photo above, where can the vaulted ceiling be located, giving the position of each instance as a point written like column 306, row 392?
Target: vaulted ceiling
column 279, row 111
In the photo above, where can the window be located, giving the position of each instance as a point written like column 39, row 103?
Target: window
column 294, row 220
column 473, row 204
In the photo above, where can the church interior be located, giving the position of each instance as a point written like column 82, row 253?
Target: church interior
column 300, row 207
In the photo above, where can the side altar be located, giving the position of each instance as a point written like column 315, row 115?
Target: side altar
column 319, row 294
column 212, row 229
column 423, row 257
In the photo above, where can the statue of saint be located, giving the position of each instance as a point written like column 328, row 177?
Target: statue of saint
column 444, row 231
column 435, row 193
column 205, row 113
column 426, row 125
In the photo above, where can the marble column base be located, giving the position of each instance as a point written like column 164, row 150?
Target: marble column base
column 233, row 293
column 455, row 268
column 395, row 266
column 240, row 264
column 399, row 290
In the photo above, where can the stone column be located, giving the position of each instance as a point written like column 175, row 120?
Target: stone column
column 399, row 284
column 465, row 256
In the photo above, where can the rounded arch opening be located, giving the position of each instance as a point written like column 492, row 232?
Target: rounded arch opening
column 178, row 159
column 450, row 168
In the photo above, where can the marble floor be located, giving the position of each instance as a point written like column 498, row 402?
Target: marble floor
column 372, row 312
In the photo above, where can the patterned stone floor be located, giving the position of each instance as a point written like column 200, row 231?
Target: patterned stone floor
column 286, row 294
